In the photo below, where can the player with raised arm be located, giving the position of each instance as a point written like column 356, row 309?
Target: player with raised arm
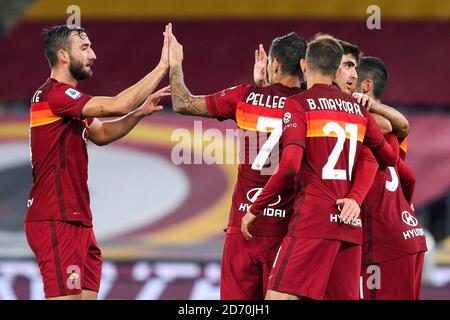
column 58, row 223
column 328, row 126
column 258, row 112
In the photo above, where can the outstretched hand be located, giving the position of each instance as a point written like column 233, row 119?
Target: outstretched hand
column 151, row 103
column 175, row 49
column 260, row 67
column 164, row 61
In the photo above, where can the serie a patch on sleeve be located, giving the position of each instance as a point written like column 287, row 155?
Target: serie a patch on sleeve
column 74, row 94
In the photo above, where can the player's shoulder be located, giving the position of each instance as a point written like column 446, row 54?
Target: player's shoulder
column 46, row 86
column 64, row 91
column 61, row 87
column 49, row 89
column 237, row 87
column 326, row 90
column 280, row 89
column 296, row 101
column 233, row 91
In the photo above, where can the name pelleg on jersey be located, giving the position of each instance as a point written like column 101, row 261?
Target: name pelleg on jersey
column 335, row 218
column 268, row 101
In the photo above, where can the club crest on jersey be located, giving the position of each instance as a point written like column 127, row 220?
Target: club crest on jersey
column 74, row 94
column 287, row 117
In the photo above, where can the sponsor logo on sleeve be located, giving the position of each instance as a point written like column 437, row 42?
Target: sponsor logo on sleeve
column 287, row 117
column 74, row 94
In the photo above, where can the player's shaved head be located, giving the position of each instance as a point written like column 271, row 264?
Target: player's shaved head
column 324, row 55
column 58, row 38
column 289, row 50
column 374, row 69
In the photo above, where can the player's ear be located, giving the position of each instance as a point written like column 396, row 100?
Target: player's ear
column 303, row 66
column 63, row 56
column 367, row 86
column 276, row 66
column 338, row 72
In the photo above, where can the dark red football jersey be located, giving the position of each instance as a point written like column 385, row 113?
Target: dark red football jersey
column 258, row 112
column 391, row 229
column 58, row 137
column 331, row 126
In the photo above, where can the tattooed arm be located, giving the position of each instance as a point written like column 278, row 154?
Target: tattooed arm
column 183, row 101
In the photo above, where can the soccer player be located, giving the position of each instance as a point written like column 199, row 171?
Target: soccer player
column 320, row 257
column 394, row 243
column 246, row 264
column 388, row 118
column 58, row 222
column 366, row 164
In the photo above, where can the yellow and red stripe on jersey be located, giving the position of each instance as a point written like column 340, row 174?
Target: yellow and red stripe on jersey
column 316, row 120
column 41, row 114
column 247, row 116
column 404, row 145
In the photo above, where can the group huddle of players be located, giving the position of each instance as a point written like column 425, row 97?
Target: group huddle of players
column 346, row 227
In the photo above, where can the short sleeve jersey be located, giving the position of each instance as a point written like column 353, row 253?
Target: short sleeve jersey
column 257, row 111
column 58, row 137
column 331, row 126
column 391, row 228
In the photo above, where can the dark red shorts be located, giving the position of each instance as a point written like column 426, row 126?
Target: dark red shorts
column 68, row 256
column 397, row 279
column 317, row 269
column 246, row 265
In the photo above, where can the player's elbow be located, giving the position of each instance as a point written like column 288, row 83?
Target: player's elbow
column 404, row 130
column 410, row 180
column 121, row 105
column 290, row 171
column 102, row 143
column 99, row 142
column 99, row 137
column 289, row 174
column 393, row 159
column 180, row 108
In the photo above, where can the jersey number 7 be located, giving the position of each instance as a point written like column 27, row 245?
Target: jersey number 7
column 263, row 124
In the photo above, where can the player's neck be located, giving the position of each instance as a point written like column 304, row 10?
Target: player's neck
column 317, row 78
column 290, row 81
column 63, row 76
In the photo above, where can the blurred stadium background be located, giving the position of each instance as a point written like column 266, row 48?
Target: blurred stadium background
column 160, row 225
